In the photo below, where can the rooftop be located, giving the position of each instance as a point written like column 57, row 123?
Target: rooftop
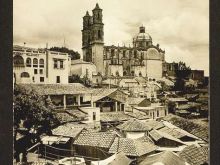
column 114, row 116
column 163, row 158
column 157, row 135
column 155, row 124
column 99, row 93
column 134, row 100
column 132, row 147
column 57, row 89
column 134, row 125
column 95, row 139
column 194, row 155
column 69, row 130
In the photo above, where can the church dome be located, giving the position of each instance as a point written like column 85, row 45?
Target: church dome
column 143, row 36
column 143, row 39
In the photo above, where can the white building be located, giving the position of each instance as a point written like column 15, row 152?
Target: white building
column 82, row 68
column 40, row 66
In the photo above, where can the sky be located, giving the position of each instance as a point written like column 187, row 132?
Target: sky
column 180, row 27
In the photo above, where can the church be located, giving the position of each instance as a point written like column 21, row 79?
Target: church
column 143, row 58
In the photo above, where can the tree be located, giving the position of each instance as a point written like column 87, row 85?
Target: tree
column 33, row 109
column 75, row 79
column 74, row 54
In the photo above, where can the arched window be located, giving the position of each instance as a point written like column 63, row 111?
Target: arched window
column 35, row 62
column 132, row 73
column 41, row 63
column 28, row 62
column 124, row 73
column 140, row 74
column 18, row 61
column 25, row 75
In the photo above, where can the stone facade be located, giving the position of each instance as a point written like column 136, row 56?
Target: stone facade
column 139, row 60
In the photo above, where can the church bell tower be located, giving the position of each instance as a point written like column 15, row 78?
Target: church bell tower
column 93, row 38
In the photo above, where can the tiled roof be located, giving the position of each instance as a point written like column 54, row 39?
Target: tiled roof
column 176, row 131
column 141, row 80
column 134, row 125
column 194, row 155
column 134, row 100
column 114, row 116
column 121, row 159
column 132, row 147
column 138, row 115
column 157, row 135
column 172, row 132
column 116, row 132
column 155, row 124
column 99, row 93
column 69, row 130
column 201, row 132
column 57, row 89
column 65, row 117
column 163, row 158
column 95, row 139
column 77, row 113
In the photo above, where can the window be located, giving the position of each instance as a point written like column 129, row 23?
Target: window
column 140, row 74
column 55, row 64
column 130, row 54
column 99, row 34
column 35, row 71
column 158, row 114
column 33, row 79
column 41, row 71
column 41, row 63
column 18, row 61
column 124, row 53
column 94, row 116
column 112, row 53
column 25, row 75
column 61, row 64
column 135, row 54
column 58, row 79
column 28, row 62
column 117, row 73
column 35, row 63
column 41, row 79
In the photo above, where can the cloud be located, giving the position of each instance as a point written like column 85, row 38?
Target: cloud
column 180, row 27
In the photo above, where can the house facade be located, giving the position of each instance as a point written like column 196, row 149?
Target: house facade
column 40, row 66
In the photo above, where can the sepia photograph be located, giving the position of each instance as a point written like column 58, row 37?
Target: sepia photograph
column 111, row 82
